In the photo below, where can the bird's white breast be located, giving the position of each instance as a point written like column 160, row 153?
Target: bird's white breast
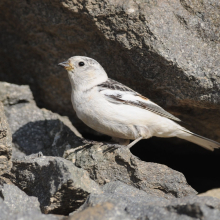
column 117, row 120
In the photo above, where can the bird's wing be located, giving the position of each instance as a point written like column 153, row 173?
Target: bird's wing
column 118, row 93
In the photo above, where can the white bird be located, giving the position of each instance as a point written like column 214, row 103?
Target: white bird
column 114, row 109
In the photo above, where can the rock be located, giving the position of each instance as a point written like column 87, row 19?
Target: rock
column 99, row 212
column 11, row 94
column 35, row 129
column 135, row 195
column 59, row 186
column 105, row 164
column 167, row 50
column 18, row 200
column 213, row 193
column 184, row 212
column 5, row 143
column 4, row 180
column 140, row 205
column 206, row 208
column 15, row 204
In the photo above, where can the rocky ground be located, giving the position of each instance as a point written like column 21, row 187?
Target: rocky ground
column 166, row 50
column 48, row 171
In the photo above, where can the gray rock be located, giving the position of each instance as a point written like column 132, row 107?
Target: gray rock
column 201, row 200
column 5, row 143
column 206, row 208
column 34, row 129
column 17, row 205
column 17, row 200
column 140, row 205
column 11, row 94
column 212, row 192
column 102, row 211
column 135, row 195
column 59, row 186
column 106, row 163
column 185, row 212
column 167, row 50
column 126, row 197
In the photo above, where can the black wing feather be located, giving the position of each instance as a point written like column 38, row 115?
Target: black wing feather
column 118, row 99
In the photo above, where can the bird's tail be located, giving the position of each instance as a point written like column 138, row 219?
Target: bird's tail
column 197, row 139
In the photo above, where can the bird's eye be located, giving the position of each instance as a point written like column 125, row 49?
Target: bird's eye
column 81, row 63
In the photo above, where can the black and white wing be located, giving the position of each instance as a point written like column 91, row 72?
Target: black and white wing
column 118, row 93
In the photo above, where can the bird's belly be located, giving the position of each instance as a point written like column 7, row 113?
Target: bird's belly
column 106, row 125
column 120, row 120
column 112, row 120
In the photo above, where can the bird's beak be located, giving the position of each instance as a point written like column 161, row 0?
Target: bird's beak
column 66, row 65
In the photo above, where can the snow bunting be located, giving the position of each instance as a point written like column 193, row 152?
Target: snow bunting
column 114, row 109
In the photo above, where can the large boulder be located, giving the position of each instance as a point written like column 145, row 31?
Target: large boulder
column 167, row 50
column 137, row 204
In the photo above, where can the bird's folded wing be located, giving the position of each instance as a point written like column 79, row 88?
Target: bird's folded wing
column 118, row 93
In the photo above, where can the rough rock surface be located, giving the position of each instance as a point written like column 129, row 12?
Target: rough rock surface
column 167, row 50
column 213, row 193
column 34, row 129
column 15, row 204
column 59, row 186
column 106, row 210
column 106, row 163
column 5, row 143
column 11, row 94
column 140, row 205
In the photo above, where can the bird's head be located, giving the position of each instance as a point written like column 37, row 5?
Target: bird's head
column 84, row 72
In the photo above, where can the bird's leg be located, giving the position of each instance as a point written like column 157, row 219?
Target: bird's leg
column 133, row 142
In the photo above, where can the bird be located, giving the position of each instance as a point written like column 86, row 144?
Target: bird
column 116, row 110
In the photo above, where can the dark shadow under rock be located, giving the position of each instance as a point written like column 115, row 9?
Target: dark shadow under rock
column 34, row 129
column 199, row 166
column 51, row 137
